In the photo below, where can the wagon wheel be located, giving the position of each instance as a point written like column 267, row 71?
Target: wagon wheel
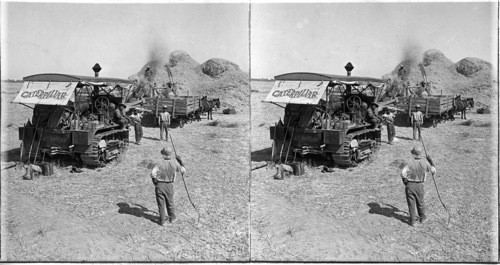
column 353, row 103
column 182, row 122
column 101, row 103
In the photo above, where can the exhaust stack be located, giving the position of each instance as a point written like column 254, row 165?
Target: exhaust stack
column 348, row 67
column 97, row 68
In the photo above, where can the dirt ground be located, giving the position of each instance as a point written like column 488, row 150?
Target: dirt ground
column 110, row 214
column 357, row 214
column 360, row 214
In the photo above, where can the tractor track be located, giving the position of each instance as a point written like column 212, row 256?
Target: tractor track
column 92, row 157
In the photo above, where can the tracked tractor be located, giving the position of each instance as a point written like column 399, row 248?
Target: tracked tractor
column 323, row 116
column 73, row 116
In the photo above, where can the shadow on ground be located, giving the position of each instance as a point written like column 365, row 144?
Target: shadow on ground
column 261, row 155
column 11, row 155
column 389, row 211
column 403, row 138
column 151, row 138
column 136, row 210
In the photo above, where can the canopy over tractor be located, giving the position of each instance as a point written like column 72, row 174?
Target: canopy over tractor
column 73, row 115
column 324, row 115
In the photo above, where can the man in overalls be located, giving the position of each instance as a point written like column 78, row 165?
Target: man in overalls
column 414, row 175
column 417, row 118
column 163, row 177
column 164, row 120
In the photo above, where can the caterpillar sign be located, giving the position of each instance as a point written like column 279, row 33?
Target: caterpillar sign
column 46, row 93
column 298, row 92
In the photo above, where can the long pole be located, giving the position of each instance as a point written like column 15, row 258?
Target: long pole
column 274, row 142
column 38, row 145
column 289, row 144
column 184, row 181
column 33, row 140
column 435, row 185
column 284, row 138
column 22, row 145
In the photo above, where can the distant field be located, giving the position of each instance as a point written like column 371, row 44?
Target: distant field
column 261, row 86
column 11, row 87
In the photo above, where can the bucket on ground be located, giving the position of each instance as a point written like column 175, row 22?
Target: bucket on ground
column 298, row 168
column 47, row 168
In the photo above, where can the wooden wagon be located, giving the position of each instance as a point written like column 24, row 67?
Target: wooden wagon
column 434, row 108
column 181, row 108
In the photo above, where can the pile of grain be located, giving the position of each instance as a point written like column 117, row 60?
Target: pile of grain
column 217, row 78
column 469, row 77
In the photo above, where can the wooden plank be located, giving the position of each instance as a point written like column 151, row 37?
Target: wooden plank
column 427, row 107
column 176, row 105
column 156, row 107
column 173, row 110
column 181, row 104
column 413, row 107
column 409, row 107
column 422, row 101
column 431, row 104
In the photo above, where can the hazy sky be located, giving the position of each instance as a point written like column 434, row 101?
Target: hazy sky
column 372, row 36
column 71, row 38
column 285, row 37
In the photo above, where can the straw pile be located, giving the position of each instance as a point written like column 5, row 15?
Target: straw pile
column 470, row 77
column 217, row 78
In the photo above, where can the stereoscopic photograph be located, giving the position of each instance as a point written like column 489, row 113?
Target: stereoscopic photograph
column 253, row 131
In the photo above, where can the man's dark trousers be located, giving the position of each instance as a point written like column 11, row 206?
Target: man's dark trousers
column 138, row 132
column 417, row 127
column 415, row 198
column 163, row 126
column 391, row 132
column 165, row 198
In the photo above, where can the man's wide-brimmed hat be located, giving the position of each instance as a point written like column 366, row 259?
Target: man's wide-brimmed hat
column 417, row 106
column 165, row 107
column 121, row 104
column 416, row 151
column 166, row 152
column 375, row 104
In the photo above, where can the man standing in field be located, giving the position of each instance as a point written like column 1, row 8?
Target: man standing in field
column 417, row 118
column 414, row 175
column 136, row 119
column 164, row 120
column 163, row 176
column 388, row 118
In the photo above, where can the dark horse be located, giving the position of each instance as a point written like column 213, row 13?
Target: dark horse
column 207, row 105
column 461, row 106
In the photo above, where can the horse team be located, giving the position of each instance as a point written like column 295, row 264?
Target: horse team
column 460, row 106
column 207, row 105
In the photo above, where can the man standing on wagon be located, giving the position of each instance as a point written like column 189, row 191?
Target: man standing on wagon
column 164, row 120
column 417, row 118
